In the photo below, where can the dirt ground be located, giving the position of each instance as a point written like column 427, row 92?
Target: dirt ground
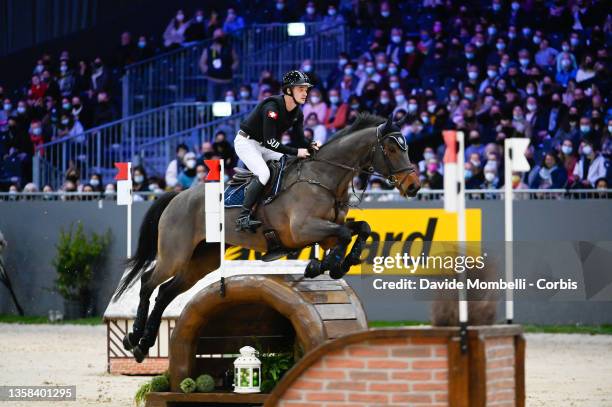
column 562, row 370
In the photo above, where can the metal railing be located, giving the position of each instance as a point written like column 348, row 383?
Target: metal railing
column 97, row 149
column 270, row 47
column 370, row 196
column 176, row 75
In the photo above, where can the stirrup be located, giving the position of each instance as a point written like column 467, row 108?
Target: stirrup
column 246, row 223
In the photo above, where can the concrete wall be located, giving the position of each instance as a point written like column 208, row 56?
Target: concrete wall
column 32, row 230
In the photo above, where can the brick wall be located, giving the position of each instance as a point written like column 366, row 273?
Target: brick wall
column 130, row 367
column 395, row 372
column 500, row 372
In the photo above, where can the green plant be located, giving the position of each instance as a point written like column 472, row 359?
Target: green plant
column 75, row 260
column 205, row 383
column 160, row 383
column 273, row 367
column 188, row 385
column 142, row 392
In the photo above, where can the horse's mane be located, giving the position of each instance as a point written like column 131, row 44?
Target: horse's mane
column 364, row 120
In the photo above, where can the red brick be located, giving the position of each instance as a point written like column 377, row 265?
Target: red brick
column 336, row 363
column 500, row 352
column 441, row 352
column 368, row 351
column 356, row 386
column 369, row 398
column 368, row 375
column 427, row 340
column 298, row 404
column 500, row 384
column 324, row 374
column 390, row 341
column 429, row 386
column 443, row 375
column 416, row 376
column 441, row 397
column 412, row 398
column 303, row 384
column 343, row 405
column 430, row 364
column 291, row 394
column 421, row 351
column 387, row 364
column 325, row 396
column 500, row 363
column 389, row 387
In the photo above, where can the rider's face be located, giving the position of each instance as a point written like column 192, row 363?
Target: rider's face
column 300, row 93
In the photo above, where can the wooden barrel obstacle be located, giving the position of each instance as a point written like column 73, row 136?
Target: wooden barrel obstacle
column 278, row 312
column 344, row 362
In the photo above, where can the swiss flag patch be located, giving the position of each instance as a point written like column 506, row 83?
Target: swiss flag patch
column 272, row 115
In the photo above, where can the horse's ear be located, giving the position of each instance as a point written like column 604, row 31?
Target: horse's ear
column 388, row 126
column 402, row 121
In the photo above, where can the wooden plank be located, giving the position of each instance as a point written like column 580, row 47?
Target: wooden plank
column 519, row 370
column 336, row 311
column 458, row 375
column 341, row 327
column 318, row 286
column 297, row 277
column 478, row 371
column 327, row 297
column 217, row 397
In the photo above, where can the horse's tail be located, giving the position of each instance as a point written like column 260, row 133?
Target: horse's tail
column 147, row 244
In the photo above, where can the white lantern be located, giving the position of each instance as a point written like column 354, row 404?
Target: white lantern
column 247, row 371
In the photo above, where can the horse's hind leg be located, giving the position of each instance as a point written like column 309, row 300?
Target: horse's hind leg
column 205, row 259
column 131, row 339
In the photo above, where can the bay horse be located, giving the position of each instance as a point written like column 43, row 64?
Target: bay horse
column 310, row 208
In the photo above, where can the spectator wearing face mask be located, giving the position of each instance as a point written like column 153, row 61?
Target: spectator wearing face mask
column 568, row 159
column 37, row 136
column 394, row 49
column 68, row 127
column 535, row 116
column 66, row 80
column 337, row 112
column 280, row 13
column 428, row 154
column 590, row 167
column 332, row 18
column 96, row 182
column 201, row 173
column 188, row 174
column 432, row 174
column 176, row 166
column 343, row 67
column 174, row 36
column 315, row 105
column 549, row 174
column 318, row 129
column 308, row 68
column 104, row 111
column 491, row 178
column 310, row 13
column 546, row 56
column 197, row 29
column 140, row 182
column 586, row 70
column 474, row 176
column 143, row 49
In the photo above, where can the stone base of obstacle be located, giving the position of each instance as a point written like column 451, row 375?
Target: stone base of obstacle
column 416, row 366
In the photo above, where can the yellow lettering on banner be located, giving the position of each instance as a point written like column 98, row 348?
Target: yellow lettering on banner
column 398, row 231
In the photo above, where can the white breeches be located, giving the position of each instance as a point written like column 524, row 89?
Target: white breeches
column 254, row 156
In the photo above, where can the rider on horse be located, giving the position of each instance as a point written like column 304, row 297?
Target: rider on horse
column 258, row 139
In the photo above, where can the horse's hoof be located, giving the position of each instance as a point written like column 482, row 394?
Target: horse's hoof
column 127, row 342
column 139, row 355
column 336, row 273
column 313, row 269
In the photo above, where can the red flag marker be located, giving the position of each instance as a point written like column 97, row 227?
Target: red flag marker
column 450, row 139
column 214, row 170
column 122, row 175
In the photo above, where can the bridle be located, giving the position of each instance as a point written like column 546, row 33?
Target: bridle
column 368, row 169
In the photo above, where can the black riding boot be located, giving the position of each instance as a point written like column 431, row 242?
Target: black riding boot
column 251, row 194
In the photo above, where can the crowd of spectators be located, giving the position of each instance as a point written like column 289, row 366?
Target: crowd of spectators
column 493, row 70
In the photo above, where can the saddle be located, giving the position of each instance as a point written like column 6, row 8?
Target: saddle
column 234, row 196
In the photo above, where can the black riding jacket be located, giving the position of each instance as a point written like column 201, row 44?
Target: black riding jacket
column 269, row 120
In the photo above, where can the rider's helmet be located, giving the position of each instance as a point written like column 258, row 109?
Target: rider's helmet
column 295, row 78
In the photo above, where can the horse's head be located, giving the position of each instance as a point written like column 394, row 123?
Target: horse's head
column 391, row 159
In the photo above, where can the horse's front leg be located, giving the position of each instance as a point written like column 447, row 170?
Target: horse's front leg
column 362, row 230
column 317, row 230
